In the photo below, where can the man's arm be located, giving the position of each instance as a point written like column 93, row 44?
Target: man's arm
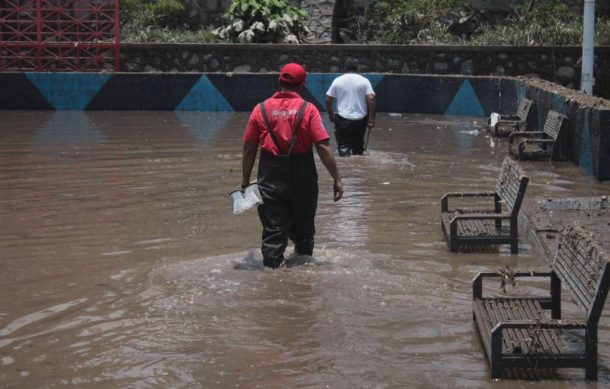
column 325, row 152
column 370, row 100
column 330, row 108
column 247, row 163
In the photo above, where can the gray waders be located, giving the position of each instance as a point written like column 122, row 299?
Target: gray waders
column 289, row 186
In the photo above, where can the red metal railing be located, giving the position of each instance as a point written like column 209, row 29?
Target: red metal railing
column 59, row 35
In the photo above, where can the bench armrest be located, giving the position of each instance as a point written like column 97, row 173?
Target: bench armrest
column 524, row 134
column 477, row 282
column 532, row 273
column 446, row 196
column 547, row 324
column 555, row 287
column 512, row 117
column 480, row 216
column 548, row 140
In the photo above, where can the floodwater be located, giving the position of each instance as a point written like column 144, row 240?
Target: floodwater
column 122, row 266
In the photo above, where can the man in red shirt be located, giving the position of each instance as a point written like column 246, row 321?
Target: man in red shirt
column 287, row 127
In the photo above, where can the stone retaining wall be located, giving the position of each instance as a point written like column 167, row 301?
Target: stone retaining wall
column 559, row 64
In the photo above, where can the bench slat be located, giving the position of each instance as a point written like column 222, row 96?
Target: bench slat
column 516, row 341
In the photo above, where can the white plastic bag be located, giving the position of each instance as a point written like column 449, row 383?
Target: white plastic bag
column 494, row 118
column 242, row 200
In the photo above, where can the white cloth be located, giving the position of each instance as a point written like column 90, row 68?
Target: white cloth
column 350, row 90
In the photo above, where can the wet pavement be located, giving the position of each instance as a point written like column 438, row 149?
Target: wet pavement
column 121, row 264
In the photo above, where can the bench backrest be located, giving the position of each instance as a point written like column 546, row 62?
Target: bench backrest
column 553, row 123
column 524, row 108
column 582, row 266
column 511, row 185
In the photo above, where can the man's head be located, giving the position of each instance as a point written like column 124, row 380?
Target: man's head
column 351, row 65
column 292, row 76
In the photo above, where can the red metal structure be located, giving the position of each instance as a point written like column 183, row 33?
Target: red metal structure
column 59, row 35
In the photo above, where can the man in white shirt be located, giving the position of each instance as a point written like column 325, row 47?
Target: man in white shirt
column 355, row 109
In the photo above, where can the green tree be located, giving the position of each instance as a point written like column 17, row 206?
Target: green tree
column 263, row 21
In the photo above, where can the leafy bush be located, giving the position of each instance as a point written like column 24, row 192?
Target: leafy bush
column 263, row 21
column 140, row 17
column 433, row 22
column 399, row 21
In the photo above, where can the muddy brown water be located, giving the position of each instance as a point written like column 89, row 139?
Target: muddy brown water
column 122, row 266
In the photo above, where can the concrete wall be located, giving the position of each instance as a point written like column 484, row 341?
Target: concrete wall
column 587, row 139
column 558, row 64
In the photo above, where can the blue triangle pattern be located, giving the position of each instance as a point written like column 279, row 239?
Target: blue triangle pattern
column 204, row 96
column 68, row 91
column 318, row 84
column 465, row 102
column 375, row 79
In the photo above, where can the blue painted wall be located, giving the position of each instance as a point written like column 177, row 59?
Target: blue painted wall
column 588, row 137
column 454, row 95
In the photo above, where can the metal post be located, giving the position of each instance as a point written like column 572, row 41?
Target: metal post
column 588, row 43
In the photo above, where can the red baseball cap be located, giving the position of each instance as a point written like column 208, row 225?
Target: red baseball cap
column 293, row 73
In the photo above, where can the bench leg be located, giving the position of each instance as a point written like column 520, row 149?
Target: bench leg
column 453, row 241
column 514, row 246
column 496, row 354
column 591, row 352
column 453, row 245
column 591, row 373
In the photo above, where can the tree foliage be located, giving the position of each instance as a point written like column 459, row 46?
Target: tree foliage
column 263, row 21
column 531, row 22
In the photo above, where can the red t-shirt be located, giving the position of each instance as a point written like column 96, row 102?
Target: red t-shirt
column 282, row 110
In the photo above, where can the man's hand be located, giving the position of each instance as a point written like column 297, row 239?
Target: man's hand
column 371, row 123
column 338, row 190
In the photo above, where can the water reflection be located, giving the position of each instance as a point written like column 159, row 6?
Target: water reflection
column 68, row 127
column 204, row 126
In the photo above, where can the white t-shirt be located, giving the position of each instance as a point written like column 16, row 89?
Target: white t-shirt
column 350, row 90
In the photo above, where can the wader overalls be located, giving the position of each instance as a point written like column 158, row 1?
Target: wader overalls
column 289, row 186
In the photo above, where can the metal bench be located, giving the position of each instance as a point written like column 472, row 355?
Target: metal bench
column 484, row 226
column 517, row 332
column 538, row 144
column 509, row 123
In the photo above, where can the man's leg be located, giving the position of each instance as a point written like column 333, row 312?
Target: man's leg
column 304, row 203
column 275, row 218
column 357, row 131
column 302, row 229
column 343, row 136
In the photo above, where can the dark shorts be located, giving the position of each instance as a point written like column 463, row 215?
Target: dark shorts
column 350, row 135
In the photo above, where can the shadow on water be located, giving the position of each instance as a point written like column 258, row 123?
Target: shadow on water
column 121, row 264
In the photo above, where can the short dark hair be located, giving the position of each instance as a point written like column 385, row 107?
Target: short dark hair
column 351, row 65
column 290, row 87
